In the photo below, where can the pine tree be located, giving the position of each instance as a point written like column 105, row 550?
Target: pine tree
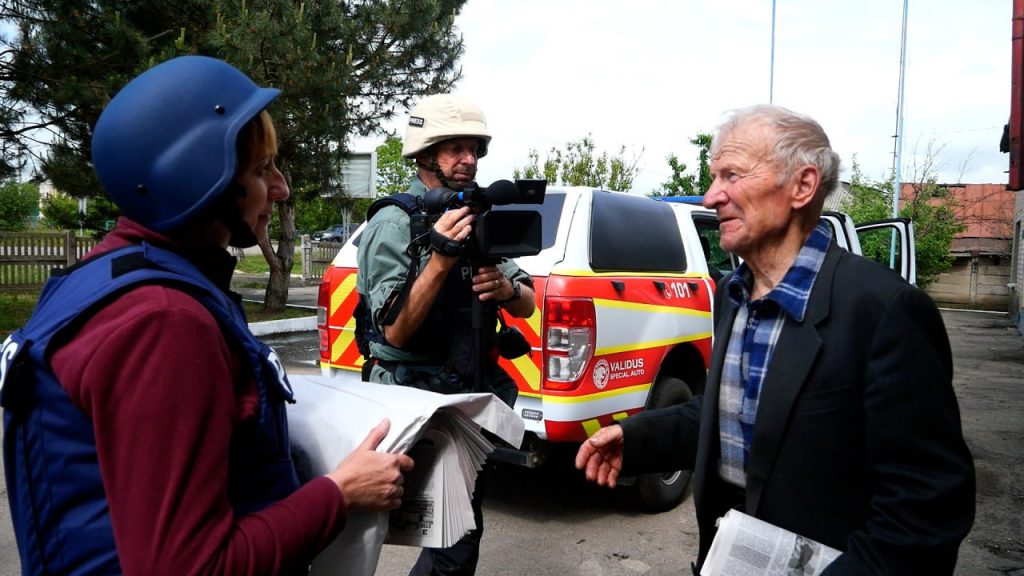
column 344, row 68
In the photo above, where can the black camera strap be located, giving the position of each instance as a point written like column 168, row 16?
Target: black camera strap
column 410, row 279
column 443, row 244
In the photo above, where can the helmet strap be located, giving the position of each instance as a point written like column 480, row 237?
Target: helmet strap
column 440, row 176
column 432, row 165
column 225, row 210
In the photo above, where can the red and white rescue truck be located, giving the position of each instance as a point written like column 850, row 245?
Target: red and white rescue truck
column 625, row 287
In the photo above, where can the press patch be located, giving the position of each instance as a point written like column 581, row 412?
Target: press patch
column 416, row 121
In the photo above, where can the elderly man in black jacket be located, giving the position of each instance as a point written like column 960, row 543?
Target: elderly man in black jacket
column 829, row 408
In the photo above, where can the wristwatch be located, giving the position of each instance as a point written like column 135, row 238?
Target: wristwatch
column 517, row 291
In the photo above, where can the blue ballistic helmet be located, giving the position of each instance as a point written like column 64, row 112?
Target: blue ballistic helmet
column 166, row 145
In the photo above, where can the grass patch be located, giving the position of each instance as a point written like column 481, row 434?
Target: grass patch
column 15, row 310
column 256, row 264
column 252, row 264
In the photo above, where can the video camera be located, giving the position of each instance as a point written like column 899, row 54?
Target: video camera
column 496, row 233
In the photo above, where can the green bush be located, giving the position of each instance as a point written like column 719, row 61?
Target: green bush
column 19, row 202
column 60, row 211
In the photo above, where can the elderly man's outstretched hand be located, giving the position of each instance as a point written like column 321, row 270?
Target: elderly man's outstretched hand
column 601, row 456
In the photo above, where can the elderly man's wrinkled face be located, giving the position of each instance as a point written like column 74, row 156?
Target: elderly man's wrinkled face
column 753, row 208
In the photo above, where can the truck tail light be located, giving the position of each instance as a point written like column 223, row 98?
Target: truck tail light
column 323, row 303
column 569, row 325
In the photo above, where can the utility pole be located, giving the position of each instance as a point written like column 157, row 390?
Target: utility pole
column 898, row 153
column 771, row 68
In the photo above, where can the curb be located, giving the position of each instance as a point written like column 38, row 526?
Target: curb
column 294, row 281
column 304, row 324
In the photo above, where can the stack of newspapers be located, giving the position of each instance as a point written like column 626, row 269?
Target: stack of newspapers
column 449, row 454
column 442, row 433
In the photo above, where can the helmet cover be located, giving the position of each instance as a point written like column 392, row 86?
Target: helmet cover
column 441, row 117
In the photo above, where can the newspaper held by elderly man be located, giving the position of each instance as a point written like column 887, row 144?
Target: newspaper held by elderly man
column 747, row 546
column 441, row 432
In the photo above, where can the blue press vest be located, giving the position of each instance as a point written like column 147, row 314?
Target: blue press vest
column 57, row 500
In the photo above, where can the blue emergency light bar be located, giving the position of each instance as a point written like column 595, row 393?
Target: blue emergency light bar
column 698, row 200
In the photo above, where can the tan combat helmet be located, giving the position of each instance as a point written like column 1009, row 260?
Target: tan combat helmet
column 441, row 117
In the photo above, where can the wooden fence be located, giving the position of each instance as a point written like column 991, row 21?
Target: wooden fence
column 27, row 258
column 316, row 256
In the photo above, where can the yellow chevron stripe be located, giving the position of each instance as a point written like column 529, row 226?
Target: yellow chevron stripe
column 619, row 416
column 591, row 427
column 651, row 344
column 528, row 370
column 597, row 396
column 341, row 343
column 534, row 321
column 655, row 308
column 342, row 291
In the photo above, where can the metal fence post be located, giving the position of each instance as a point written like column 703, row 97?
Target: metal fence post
column 70, row 250
column 307, row 257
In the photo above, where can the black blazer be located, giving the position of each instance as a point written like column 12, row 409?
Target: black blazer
column 857, row 442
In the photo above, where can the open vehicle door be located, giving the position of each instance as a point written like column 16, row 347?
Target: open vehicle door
column 891, row 242
column 843, row 230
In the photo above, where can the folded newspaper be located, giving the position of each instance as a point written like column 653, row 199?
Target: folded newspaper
column 442, row 433
column 746, row 546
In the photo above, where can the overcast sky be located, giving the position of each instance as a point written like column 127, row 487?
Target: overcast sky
column 650, row 74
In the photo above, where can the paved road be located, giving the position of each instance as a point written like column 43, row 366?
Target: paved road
column 988, row 356
column 549, row 521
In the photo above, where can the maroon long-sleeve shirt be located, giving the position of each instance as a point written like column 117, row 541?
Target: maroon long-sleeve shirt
column 154, row 374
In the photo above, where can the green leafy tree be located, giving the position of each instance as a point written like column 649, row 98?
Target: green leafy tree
column 534, row 169
column 315, row 214
column 578, row 164
column 344, row 68
column 393, row 172
column 681, row 183
column 19, row 201
column 925, row 202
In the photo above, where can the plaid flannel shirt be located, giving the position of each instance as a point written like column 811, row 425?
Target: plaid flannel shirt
column 751, row 343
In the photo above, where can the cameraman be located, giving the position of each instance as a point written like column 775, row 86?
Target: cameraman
column 419, row 313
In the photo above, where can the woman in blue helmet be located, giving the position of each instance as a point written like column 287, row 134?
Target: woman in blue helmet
column 149, row 436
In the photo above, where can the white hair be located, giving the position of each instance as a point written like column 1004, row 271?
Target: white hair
column 799, row 140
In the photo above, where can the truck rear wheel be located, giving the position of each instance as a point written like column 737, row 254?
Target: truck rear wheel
column 662, row 492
